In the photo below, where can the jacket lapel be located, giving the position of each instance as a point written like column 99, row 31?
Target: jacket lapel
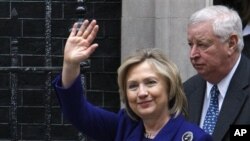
column 195, row 102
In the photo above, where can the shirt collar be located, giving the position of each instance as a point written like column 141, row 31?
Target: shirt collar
column 224, row 83
column 246, row 30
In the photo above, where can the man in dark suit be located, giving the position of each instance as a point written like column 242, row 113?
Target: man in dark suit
column 215, row 40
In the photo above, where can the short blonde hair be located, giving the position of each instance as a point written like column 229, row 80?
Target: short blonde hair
column 163, row 66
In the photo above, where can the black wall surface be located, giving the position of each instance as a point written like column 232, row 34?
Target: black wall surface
column 32, row 37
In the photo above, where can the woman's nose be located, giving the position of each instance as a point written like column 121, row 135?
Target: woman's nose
column 142, row 91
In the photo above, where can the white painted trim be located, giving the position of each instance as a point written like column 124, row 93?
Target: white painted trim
column 209, row 2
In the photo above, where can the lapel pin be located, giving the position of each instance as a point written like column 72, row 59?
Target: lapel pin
column 187, row 136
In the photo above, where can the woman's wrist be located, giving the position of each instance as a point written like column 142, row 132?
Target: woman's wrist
column 69, row 73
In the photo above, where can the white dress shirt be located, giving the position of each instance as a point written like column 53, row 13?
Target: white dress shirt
column 246, row 30
column 222, row 86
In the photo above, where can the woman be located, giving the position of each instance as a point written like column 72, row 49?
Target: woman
column 150, row 87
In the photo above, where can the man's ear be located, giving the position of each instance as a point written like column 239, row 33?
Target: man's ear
column 233, row 43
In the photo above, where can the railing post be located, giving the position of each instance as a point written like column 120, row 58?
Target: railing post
column 13, row 76
column 48, row 63
column 81, row 12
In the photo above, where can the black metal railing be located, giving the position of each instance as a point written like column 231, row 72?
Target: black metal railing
column 47, row 69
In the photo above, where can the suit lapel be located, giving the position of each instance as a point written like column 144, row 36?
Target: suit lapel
column 195, row 102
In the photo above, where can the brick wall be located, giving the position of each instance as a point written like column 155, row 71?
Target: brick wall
column 33, row 120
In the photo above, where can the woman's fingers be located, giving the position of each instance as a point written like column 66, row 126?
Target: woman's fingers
column 74, row 30
column 93, row 33
column 83, row 36
column 91, row 49
column 89, row 29
column 82, row 28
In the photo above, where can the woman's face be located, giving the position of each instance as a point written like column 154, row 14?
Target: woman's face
column 146, row 91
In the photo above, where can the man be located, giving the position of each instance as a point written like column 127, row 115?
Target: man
column 215, row 40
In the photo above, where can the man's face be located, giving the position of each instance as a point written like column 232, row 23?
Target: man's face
column 208, row 54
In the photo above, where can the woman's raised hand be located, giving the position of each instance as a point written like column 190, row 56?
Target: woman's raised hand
column 79, row 45
column 78, row 48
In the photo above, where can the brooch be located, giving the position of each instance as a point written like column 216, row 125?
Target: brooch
column 187, row 136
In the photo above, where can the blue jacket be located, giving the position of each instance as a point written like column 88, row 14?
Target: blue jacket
column 104, row 125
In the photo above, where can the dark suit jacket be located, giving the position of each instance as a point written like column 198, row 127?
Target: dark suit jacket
column 236, row 106
column 246, row 49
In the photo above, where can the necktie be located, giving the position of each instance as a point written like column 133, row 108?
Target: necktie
column 212, row 112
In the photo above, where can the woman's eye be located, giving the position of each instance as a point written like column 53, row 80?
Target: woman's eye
column 132, row 87
column 151, row 83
